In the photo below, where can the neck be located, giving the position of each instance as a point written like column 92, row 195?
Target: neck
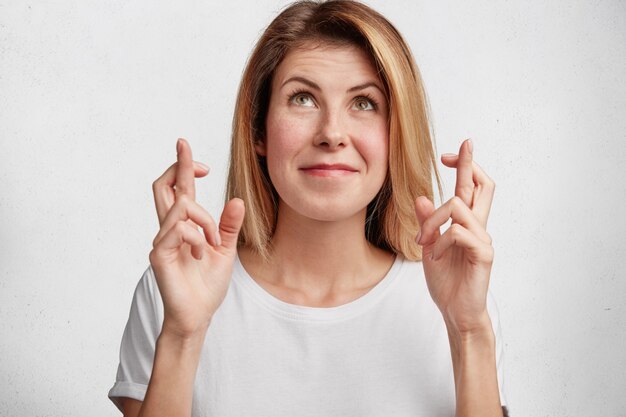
column 325, row 260
column 305, row 242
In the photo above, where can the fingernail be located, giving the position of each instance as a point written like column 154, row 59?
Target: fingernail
column 178, row 145
column 417, row 238
column 201, row 165
column 448, row 155
column 470, row 146
column 218, row 239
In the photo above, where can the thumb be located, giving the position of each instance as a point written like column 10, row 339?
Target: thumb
column 424, row 208
column 230, row 223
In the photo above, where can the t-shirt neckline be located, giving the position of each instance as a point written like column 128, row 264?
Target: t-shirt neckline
column 305, row 313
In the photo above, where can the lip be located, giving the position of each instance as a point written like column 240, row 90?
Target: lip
column 329, row 170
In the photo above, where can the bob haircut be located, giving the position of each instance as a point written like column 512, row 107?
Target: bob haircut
column 391, row 222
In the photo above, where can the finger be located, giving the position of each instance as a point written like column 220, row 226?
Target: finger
column 456, row 210
column 186, row 209
column 230, row 223
column 185, row 184
column 464, row 184
column 181, row 233
column 424, row 208
column 163, row 190
column 484, row 187
column 457, row 235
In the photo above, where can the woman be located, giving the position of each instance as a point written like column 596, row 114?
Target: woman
column 335, row 293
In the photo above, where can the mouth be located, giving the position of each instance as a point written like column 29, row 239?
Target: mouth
column 329, row 170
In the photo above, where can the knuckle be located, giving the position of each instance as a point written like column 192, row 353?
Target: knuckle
column 181, row 206
column 228, row 229
column 180, row 226
column 209, row 222
column 455, row 230
column 456, row 202
column 153, row 257
column 489, row 254
column 183, row 200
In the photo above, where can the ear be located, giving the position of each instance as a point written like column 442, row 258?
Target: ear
column 260, row 148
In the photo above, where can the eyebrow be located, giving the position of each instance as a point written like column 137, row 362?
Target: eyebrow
column 317, row 87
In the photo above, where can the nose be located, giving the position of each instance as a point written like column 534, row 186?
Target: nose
column 331, row 133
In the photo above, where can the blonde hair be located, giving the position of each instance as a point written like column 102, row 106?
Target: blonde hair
column 390, row 223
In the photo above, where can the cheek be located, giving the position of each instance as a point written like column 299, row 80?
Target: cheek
column 283, row 139
column 373, row 144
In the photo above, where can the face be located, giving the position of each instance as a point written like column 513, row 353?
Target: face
column 326, row 141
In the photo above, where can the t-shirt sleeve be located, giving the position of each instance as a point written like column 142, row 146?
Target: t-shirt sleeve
column 139, row 341
column 497, row 329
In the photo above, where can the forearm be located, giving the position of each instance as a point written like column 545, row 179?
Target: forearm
column 475, row 375
column 170, row 389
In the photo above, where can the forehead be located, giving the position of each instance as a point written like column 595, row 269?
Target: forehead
column 337, row 63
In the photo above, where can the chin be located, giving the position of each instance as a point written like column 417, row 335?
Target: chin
column 329, row 209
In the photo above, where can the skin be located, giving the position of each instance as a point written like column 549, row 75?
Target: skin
column 321, row 111
column 338, row 114
column 457, row 265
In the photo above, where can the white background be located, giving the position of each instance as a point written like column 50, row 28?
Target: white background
column 93, row 95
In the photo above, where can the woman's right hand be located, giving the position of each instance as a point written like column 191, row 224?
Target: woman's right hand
column 192, row 268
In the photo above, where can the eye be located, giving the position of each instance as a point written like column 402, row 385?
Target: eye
column 364, row 103
column 302, row 99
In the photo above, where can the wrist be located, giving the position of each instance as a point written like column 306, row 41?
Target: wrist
column 170, row 390
column 479, row 332
column 185, row 331
column 473, row 354
column 182, row 340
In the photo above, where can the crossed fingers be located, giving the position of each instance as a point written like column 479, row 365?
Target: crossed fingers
column 468, row 209
column 177, row 180
column 178, row 212
column 473, row 185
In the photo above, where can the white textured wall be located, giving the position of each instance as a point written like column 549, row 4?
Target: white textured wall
column 93, row 95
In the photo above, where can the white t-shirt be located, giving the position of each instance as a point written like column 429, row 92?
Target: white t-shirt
column 383, row 354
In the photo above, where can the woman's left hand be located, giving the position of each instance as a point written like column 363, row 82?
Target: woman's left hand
column 457, row 263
